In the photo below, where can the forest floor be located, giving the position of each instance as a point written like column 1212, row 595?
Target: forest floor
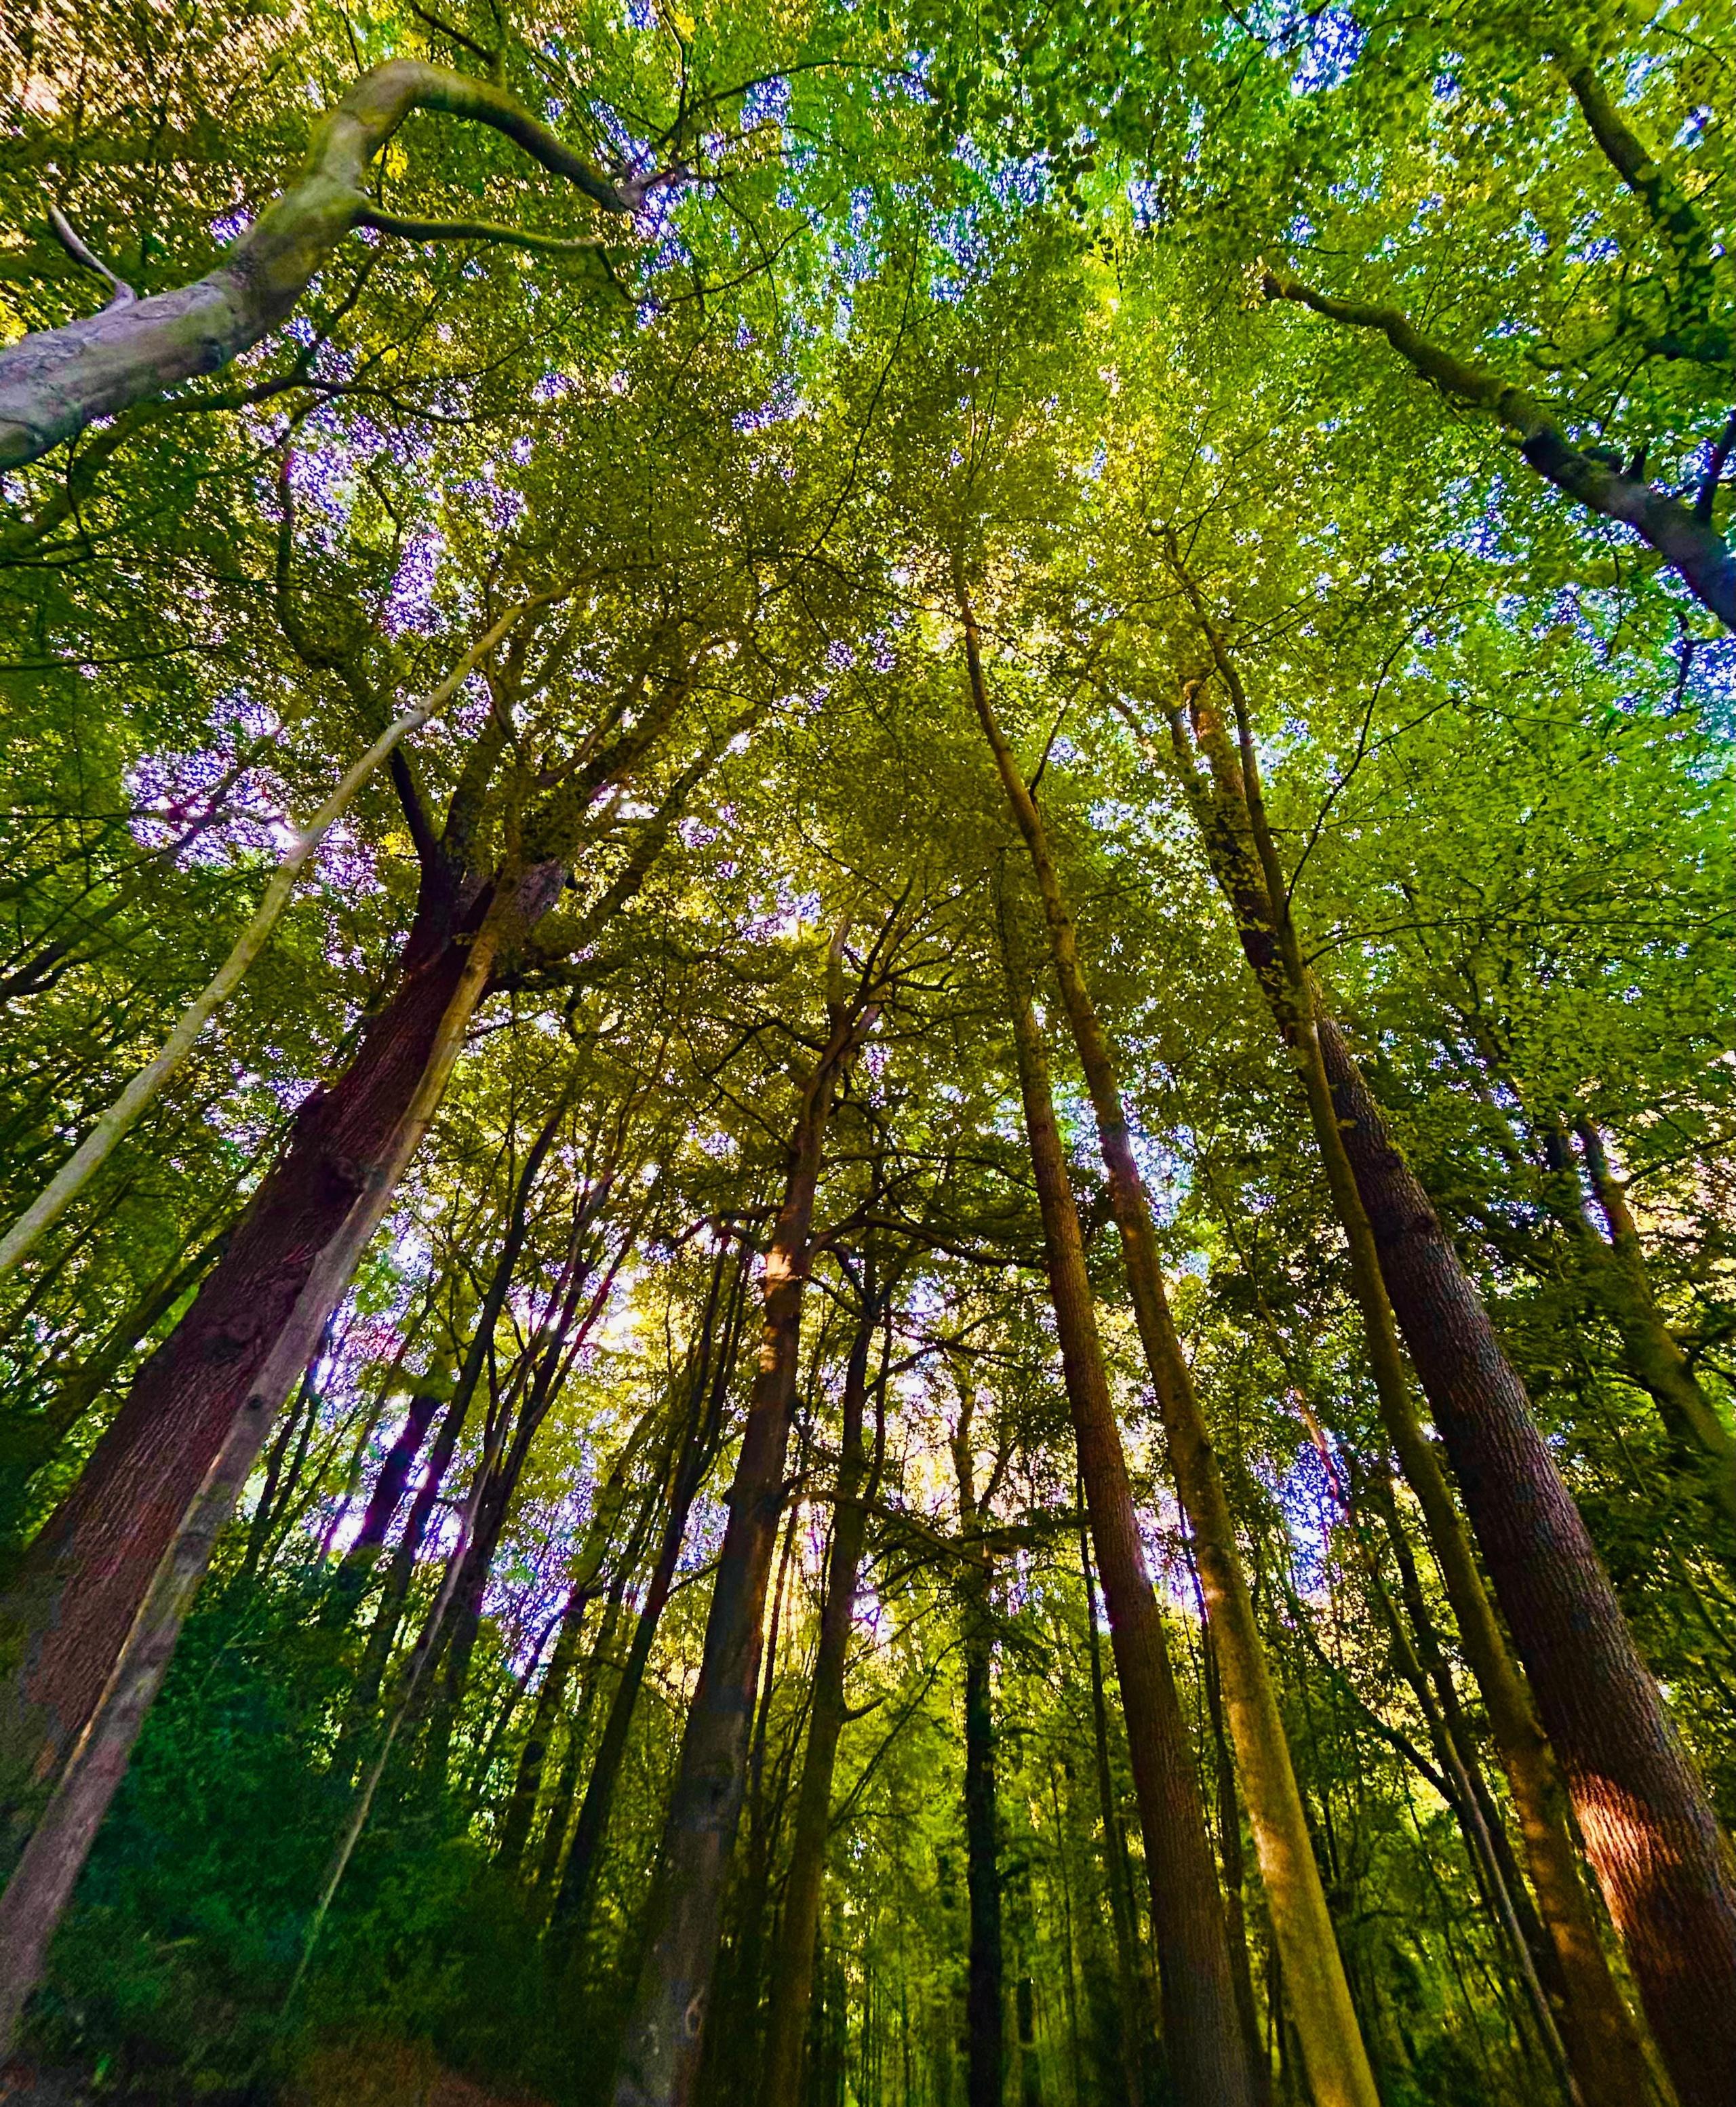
column 376, row 2074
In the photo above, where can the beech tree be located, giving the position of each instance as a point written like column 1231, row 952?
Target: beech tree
column 866, row 1141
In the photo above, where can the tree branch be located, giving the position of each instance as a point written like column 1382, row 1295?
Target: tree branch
column 1688, row 544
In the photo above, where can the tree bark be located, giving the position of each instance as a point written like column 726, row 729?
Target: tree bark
column 73, row 1597
column 792, row 1976
column 1652, row 1836
column 54, row 383
column 1649, row 1826
column 985, row 1990
column 1130, row 2000
column 693, row 1448
column 43, row 1882
column 660, row 2056
column 1202, row 2032
column 1337, row 2061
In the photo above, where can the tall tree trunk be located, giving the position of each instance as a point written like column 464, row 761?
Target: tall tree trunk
column 1230, row 1855
column 42, row 1883
column 1338, row 2063
column 1201, row 2033
column 692, row 1451
column 985, row 1992
column 1130, row 2000
column 660, row 2055
column 1649, row 1826
column 68, row 1607
column 793, row 1977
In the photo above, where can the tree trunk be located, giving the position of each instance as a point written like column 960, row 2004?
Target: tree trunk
column 693, row 1449
column 54, row 383
column 985, row 1992
column 1130, row 2000
column 1649, row 1826
column 68, row 1607
column 793, row 1977
column 1337, row 2064
column 1201, row 2033
column 1230, row 1855
column 43, row 1882
column 660, row 2055
column 383, row 1632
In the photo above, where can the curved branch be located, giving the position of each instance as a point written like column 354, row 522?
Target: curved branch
column 53, row 382
column 476, row 230
column 1677, row 219
column 1690, row 546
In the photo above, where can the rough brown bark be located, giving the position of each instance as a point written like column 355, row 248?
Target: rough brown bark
column 75, row 1592
column 1649, row 1829
column 1649, row 1826
column 1202, row 2032
column 49, row 1869
column 1596, row 2028
column 660, row 2055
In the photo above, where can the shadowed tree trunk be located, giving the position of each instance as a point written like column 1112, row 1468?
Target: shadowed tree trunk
column 1648, row 1824
column 985, row 1992
column 1337, row 2064
column 69, row 1606
column 695, row 1444
column 1202, row 2032
column 48, row 1868
column 660, row 2056
column 1130, row 2000
column 792, row 1976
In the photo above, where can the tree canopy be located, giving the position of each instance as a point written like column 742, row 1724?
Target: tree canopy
column 867, row 1229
